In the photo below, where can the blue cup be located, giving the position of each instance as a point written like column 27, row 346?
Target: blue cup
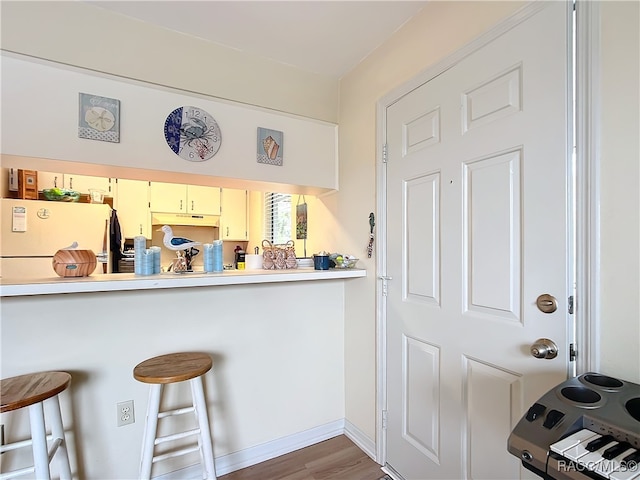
column 156, row 259
column 217, row 256
column 321, row 262
column 208, row 257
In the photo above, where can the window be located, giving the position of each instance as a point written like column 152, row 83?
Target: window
column 277, row 217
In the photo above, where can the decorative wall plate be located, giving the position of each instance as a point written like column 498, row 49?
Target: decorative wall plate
column 192, row 134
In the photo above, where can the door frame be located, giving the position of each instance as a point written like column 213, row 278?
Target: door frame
column 586, row 191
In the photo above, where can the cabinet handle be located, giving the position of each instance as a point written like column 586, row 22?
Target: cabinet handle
column 140, row 229
column 55, row 182
column 180, row 205
column 192, row 206
column 70, row 183
column 227, row 231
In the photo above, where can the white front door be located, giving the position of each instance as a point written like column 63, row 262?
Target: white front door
column 478, row 227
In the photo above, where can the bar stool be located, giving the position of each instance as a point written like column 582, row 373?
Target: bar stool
column 31, row 391
column 173, row 368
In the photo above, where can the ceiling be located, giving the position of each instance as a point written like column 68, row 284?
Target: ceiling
column 326, row 37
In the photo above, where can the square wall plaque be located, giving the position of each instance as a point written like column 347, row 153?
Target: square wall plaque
column 99, row 118
column 270, row 146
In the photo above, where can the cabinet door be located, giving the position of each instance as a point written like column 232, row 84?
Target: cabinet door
column 132, row 206
column 48, row 180
column 168, row 197
column 84, row 183
column 233, row 219
column 203, row 200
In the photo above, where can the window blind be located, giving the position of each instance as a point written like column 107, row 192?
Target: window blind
column 277, row 217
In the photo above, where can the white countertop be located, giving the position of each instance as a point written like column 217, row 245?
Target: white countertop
column 130, row 281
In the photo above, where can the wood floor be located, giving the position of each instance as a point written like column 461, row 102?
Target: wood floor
column 334, row 459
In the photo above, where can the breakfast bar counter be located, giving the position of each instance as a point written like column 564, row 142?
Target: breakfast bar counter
column 129, row 281
column 277, row 338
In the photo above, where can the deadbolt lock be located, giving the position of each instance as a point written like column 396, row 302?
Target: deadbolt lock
column 547, row 303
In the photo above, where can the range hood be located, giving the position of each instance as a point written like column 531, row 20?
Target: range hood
column 186, row 219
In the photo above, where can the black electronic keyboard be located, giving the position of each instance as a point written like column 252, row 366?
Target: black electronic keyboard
column 586, row 427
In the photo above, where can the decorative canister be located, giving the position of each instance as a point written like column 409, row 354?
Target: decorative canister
column 73, row 262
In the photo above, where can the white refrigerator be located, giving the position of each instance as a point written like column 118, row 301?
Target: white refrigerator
column 32, row 231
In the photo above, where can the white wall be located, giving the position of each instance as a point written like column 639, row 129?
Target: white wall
column 64, row 31
column 52, row 91
column 620, row 195
column 438, row 30
column 278, row 362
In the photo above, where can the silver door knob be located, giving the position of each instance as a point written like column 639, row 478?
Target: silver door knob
column 544, row 348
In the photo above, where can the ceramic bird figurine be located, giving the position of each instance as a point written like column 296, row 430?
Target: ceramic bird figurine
column 176, row 243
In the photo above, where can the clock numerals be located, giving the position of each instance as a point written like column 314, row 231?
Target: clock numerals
column 192, row 134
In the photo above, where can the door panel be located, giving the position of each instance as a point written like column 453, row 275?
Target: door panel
column 491, row 226
column 421, row 399
column 477, row 227
column 492, row 400
column 422, row 262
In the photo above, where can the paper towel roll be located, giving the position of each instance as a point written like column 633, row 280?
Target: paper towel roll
column 252, row 262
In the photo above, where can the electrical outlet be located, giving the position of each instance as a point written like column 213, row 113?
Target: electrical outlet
column 125, row 413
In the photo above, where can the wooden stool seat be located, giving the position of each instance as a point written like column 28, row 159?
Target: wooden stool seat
column 31, row 391
column 25, row 390
column 172, row 368
column 159, row 372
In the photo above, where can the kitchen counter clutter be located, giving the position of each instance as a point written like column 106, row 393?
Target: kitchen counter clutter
column 125, row 281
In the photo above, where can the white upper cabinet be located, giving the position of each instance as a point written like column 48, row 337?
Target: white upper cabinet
column 79, row 183
column 168, row 197
column 85, row 183
column 47, row 180
column 177, row 198
column 233, row 220
column 131, row 202
column 204, row 200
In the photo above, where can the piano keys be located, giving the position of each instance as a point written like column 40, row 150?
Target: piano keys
column 588, row 427
column 602, row 454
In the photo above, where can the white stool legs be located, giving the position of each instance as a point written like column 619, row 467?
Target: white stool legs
column 59, row 441
column 204, row 438
column 150, row 430
column 203, row 432
column 39, row 441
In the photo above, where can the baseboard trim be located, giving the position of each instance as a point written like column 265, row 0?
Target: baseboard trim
column 266, row 451
column 358, row 437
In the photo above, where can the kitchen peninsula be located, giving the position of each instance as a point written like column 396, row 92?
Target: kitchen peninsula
column 278, row 351
column 125, row 282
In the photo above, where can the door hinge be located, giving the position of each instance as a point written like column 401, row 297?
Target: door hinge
column 384, row 279
column 572, row 353
column 384, row 419
column 570, row 304
column 384, row 153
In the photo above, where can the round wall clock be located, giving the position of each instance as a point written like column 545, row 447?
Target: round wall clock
column 192, row 134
